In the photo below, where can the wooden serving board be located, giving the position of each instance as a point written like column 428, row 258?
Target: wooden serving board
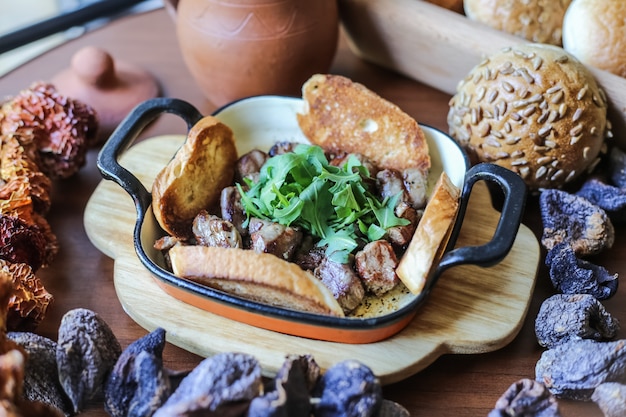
column 471, row 309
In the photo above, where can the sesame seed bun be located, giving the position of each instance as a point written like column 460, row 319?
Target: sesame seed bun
column 594, row 32
column 534, row 109
column 535, row 20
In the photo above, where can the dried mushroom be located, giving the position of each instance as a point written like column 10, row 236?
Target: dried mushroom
column 21, row 242
column 617, row 167
column 290, row 395
column 12, row 403
column 86, row 352
column 41, row 377
column 611, row 399
column 574, row 220
column 28, row 299
column 24, row 189
column 575, row 368
column 564, row 317
column 526, row 398
column 609, row 198
column 221, row 385
column 63, row 128
column 571, row 275
column 348, row 389
column 138, row 384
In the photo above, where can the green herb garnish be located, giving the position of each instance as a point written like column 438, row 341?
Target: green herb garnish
column 301, row 188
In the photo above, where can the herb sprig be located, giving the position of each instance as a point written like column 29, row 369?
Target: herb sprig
column 301, row 188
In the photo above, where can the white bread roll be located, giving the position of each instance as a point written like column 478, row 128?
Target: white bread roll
column 534, row 109
column 535, row 20
column 594, row 31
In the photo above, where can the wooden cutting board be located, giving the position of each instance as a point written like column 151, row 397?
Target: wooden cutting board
column 471, row 309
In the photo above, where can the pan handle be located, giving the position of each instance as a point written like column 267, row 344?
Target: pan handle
column 514, row 198
column 126, row 133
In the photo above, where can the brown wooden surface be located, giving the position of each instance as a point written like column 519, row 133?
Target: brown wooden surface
column 82, row 276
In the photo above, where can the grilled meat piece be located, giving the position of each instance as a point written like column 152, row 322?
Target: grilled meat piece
column 274, row 238
column 210, row 230
column 376, row 265
column 342, row 281
column 415, row 184
column 249, row 165
column 280, row 148
column 400, row 236
column 390, row 183
column 232, row 209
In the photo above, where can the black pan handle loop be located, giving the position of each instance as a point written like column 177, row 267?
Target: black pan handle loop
column 126, row 133
column 492, row 252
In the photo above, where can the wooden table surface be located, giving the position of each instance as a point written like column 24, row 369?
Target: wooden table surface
column 81, row 276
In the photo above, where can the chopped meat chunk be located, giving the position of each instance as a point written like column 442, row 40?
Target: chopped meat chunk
column 415, row 184
column 166, row 243
column 280, row 148
column 391, row 183
column 210, row 230
column 309, row 255
column 376, row 265
column 400, row 236
column 342, row 281
column 250, row 164
column 277, row 239
column 232, row 209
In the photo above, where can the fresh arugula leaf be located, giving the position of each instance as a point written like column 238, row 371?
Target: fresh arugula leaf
column 303, row 189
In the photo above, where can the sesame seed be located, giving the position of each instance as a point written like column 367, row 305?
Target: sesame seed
column 513, row 140
column 541, row 172
column 550, row 144
column 537, row 62
column 543, row 160
column 528, row 111
column 524, row 172
column 518, row 153
column 554, row 89
column 586, row 151
column 576, row 130
column 506, row 86
column 484, row 129
column 545, row 130
column 581, row 94
column 574, row 139
column 557, row 97
column 519, row 162
column 492, row 96
column 570, row 176
column 577, row 114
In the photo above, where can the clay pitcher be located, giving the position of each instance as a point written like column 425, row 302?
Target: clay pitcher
column 241, row 48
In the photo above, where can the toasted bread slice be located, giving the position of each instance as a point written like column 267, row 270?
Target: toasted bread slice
column 341, row 115
column 431, row 235
column 261, row 277
column 195, row 177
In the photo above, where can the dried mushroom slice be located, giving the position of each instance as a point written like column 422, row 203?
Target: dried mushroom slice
column 611, row 399
column 564, row 317
column 292, row 386
column 574, row 220
column 86, row 352
column 575, row 368
column 41, row 377
column 526, row 398
column 28, row 301
column 221, row 385
column 21, row 242
column 138, row 384
column 63, row 128
column 348, row 389
column 571, row 275
column 617, row 167
column 609, row 198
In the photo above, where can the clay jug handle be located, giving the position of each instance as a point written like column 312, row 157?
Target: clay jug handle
column 171, row 6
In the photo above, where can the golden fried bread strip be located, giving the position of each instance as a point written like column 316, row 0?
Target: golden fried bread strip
column 430, row 236
column 261, row 277
column 344, row 116
column 195, row 177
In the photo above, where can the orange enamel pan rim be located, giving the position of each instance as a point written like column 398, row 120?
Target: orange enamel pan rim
column 286, row 326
